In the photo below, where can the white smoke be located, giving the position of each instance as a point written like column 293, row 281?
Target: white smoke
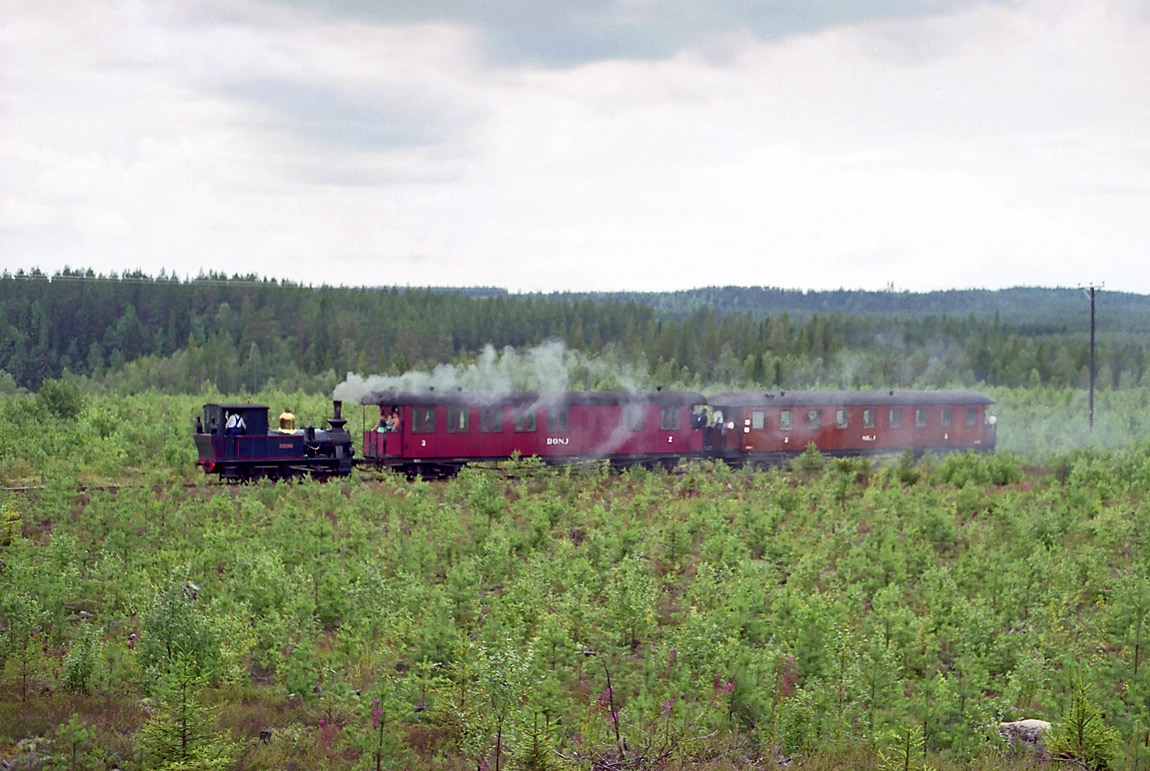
column 547, row 367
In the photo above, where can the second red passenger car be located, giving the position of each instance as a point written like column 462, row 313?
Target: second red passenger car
column 770, row 426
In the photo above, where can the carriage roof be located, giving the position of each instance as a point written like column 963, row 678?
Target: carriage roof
column 846, row 398
column 528, row 398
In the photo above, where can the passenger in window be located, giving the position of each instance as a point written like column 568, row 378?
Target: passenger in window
column 393, row 420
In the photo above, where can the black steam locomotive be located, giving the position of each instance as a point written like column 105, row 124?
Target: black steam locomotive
column 236, row 443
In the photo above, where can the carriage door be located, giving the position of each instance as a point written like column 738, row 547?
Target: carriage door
column 394, row 439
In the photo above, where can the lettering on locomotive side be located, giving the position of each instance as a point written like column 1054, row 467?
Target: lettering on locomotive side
column 285, row 445
column 558, row 440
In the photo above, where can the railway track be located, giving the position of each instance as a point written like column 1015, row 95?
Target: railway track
column 110, row 487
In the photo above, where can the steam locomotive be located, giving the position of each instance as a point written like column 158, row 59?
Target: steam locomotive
column 252, row 450
column 434, row 433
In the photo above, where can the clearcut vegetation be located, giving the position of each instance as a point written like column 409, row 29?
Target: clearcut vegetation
column 844, row 613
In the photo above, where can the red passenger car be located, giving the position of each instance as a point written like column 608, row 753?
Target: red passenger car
column 439, row 431
column 768, row 427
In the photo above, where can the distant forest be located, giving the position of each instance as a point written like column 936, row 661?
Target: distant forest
column 243, row 333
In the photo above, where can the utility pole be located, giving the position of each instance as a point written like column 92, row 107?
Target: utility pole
column 1093, row 292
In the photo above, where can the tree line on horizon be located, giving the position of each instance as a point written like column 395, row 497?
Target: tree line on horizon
column 243, row 333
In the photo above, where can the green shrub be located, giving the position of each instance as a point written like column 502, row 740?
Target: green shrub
column 61, row 398
column 959, row 468
column 83, row 668
column 1082, row 735
column 811, row 460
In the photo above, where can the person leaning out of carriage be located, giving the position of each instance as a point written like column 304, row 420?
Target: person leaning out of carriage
column 699, row 418
column 387, row 421
column 287, row 420
column 381, row 424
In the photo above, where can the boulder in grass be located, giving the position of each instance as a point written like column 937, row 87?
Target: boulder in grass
column 1027, row 732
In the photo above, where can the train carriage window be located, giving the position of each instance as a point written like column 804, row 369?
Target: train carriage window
column 786, row 420
column 458, row 421
column 812, row 418
column 524, row 420
column 841, row 419
column 633, row 417
column 491, row 420
column 558, row 419
column 868, row 418
column 920, row 418
column 671, row 418
column 895, row 418
column 946, row 419
column 758, row 420
column 971, row 417
column 423, row 420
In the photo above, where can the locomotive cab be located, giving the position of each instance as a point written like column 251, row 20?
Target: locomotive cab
column 220, row 448
column 215, row 420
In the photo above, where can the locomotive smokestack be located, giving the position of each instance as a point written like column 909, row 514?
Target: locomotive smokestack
column 336, row 421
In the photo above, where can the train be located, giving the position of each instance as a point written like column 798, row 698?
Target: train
column 434, row 433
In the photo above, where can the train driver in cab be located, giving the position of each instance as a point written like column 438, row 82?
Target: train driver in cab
column 236, row 425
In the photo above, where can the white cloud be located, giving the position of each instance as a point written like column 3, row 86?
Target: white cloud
column 992, row 146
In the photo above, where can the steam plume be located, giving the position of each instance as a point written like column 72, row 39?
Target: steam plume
column 547, row 367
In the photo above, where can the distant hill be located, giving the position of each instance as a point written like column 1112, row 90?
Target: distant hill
column 1018, row 305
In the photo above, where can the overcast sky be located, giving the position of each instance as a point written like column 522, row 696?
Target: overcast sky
column 581, row 144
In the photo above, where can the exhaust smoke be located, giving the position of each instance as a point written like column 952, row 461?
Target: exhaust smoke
column 547, row 368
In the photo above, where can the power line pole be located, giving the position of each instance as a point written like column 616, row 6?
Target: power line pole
column 1093, row 292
